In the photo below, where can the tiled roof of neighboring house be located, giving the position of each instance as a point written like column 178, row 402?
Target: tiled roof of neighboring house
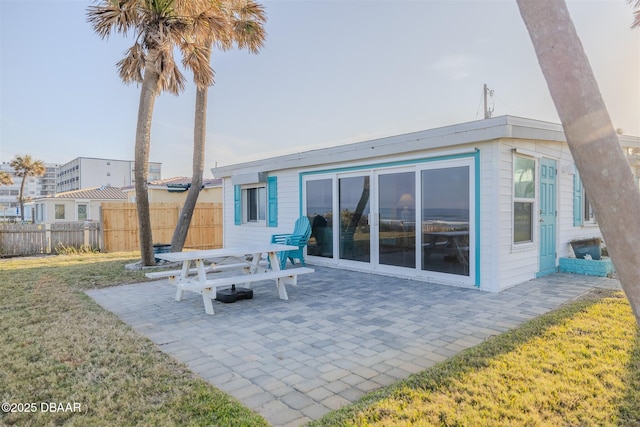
column 95, row 193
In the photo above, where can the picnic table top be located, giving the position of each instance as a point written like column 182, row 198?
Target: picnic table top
column 223, row 252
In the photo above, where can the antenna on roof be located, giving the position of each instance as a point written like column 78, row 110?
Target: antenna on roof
column 488, row 112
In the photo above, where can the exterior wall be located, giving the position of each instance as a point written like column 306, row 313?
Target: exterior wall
column 288, row 213
column 48, row 208
column 501, row 263
column 207, row 195
column 161, row 195
column 521, row 262
column 490, row 221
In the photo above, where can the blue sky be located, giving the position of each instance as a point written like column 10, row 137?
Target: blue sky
column 331, row 72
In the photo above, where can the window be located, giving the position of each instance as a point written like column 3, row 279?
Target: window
column 82, row 212
column 582, row 210
column 589, row 216
column 59, row 211
column 524, row 191
column 254, row 204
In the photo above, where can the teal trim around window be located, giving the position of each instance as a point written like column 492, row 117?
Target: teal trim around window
column 476, row 189
column 577, row 199
column 475, row 155
column 237, row 205
column 272, row 201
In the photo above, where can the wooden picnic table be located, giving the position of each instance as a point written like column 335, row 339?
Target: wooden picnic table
column 246, row 259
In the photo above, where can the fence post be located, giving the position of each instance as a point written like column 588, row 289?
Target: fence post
column 47, row 237
column 101, row 231
column 86, row 240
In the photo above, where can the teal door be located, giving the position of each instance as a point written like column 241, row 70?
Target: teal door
column 548, row 217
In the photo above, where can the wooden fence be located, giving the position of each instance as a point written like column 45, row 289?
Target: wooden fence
column 35, row 239
column 120, row 225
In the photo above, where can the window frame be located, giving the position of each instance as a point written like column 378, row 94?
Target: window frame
column 532, row 201
column 248, row 205
column 59, row 211
column 86, row 211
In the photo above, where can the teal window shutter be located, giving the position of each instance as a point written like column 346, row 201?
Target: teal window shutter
column 272, row 201
column 237, row 205
column 577, row 199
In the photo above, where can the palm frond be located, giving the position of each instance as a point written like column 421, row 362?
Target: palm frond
column 636, row 5
column 131, row 66
column 171, row 79
column 196, row 57
column 119, row 16
column 247, row 24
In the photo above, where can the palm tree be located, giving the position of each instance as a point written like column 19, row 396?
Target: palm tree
column 5, row 179
column 159, row 26
column 246, row 30
column 25, row 166
column 636, row 6
column 591, row 137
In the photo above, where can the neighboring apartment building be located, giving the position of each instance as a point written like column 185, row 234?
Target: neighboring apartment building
column 35, row 186
column 87, row 172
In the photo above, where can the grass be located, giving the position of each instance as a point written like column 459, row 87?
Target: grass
column 59, row 346
column 579, row 365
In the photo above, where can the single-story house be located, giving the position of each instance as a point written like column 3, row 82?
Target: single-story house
column 76, row 205
column 174, row 190
column 487, row 204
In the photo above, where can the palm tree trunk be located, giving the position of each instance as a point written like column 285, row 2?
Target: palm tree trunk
column 21, row 201
column 199, row 141
column 148, row 95
column 592, row 139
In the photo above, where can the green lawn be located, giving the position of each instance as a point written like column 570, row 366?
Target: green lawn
column 59, row 346
column 576, row 366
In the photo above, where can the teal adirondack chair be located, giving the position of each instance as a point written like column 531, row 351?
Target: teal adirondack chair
column 299, row 238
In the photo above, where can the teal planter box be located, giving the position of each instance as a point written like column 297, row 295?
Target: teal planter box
column 588, row 267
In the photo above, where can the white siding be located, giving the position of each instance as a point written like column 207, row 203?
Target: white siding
column 288, row 213
column 489, row 218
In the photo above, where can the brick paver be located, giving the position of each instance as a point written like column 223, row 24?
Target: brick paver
column 340, row 334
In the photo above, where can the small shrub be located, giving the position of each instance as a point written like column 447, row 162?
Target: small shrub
column 61, row 249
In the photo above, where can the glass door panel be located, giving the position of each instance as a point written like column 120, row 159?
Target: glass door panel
column 355, row 234
column 320, row 212
column 445, row 220
column 397, row 213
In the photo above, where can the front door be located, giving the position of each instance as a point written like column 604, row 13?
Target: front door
column 547, row 217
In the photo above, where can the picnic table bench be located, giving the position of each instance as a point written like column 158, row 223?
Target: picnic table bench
column 248, row 259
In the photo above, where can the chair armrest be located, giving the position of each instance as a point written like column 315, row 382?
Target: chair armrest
column 296, row 240
column 279, row 238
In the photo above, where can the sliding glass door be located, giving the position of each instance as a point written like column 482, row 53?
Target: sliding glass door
column 320, row 212
column 418, row 217
column 446, row 220
column 354, row 208
column 397, row 214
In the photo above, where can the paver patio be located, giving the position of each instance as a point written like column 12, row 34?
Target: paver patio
column 340, row 334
